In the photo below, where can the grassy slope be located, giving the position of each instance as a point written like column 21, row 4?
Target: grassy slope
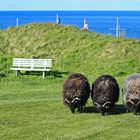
column 31, row 108
column 72, row 49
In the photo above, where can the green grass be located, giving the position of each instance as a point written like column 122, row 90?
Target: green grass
column 32, row 108
column 72, row 49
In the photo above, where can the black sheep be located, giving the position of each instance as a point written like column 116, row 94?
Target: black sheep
column 105, row 93
column 131, row 93
column 76, row 91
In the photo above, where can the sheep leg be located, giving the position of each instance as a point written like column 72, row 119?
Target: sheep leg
column 102, row 113
column 80, row 108
column 137, row 110
column 127, row 110
column 112, row 111
column 72, row 110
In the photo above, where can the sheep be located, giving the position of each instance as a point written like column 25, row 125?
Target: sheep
column 105, row 93
column 131, row 93
column 76, row 91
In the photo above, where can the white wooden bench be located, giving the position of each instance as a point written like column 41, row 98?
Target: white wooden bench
column 23, row 64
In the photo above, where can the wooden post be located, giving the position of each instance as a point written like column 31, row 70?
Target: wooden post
column 17, row 23
column 44, row 74
column 57, row 19
column 85, row 24
column 17, row 72
column 117, row 27
column 32, row 64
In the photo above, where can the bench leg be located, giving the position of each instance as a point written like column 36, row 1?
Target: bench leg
column 17, row 72
column 44, row 74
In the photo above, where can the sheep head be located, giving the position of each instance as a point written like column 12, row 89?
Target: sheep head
column 133, row 105
column 75, row 103
column 106, row 107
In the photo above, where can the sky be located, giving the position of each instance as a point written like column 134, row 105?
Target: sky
column 69, row 5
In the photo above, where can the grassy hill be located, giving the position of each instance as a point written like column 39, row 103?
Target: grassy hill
column 31, row 108
column 71, row 49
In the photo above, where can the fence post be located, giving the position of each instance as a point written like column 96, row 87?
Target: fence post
column 17, row 22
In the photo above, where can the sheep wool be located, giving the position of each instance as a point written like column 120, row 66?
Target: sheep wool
column 105, row 93
column 76, row 91
column 131, row 93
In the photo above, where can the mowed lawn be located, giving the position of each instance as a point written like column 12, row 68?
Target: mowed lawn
column 32, row 109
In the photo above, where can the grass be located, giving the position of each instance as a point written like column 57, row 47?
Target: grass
column 32, row 108
column 72, row 49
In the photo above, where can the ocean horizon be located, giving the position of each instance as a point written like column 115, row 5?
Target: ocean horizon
column 98, row 21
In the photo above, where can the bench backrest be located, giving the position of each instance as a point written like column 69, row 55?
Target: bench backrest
column 33, row 63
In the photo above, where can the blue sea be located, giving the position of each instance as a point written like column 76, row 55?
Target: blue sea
column 98, row 21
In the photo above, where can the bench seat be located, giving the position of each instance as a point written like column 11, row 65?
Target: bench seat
column 25, row 64
column 29, row 69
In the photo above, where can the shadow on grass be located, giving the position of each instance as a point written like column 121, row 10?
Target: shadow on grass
column 89, row 109
column 57, row 73
column 118, row 109
column 54, row 73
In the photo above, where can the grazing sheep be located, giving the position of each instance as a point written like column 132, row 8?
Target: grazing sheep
column 131, row 93
column 76, row 91
column 105, row 92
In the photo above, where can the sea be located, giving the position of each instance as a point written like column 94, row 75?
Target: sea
column 103, row 22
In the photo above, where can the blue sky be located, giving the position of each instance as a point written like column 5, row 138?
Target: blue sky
column 69, row 4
